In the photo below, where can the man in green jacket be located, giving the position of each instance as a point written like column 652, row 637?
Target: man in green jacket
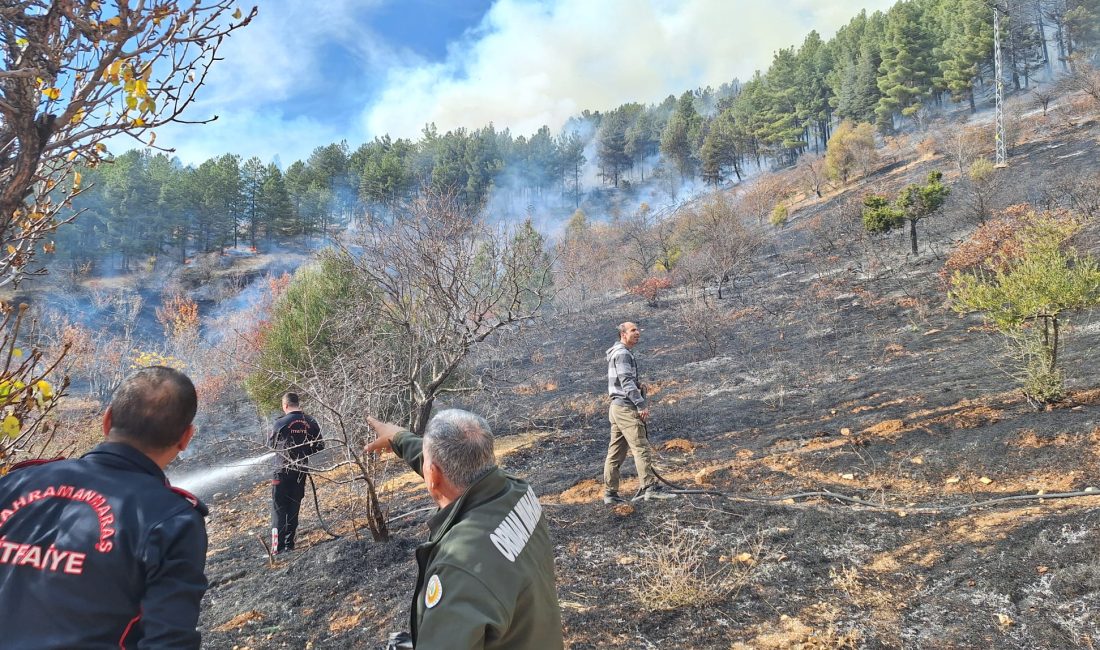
column 485, row 576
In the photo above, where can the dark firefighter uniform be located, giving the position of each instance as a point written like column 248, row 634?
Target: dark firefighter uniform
column 485, row 577
column 99, row 552
column 295, row 437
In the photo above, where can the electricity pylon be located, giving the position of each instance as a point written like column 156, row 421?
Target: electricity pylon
column 1002, row 149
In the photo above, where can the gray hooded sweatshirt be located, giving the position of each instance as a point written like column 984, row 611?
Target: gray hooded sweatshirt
column 622, row 377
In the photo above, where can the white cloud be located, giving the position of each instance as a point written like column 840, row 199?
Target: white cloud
column 274, row 66
column 535, row 63
column 529, row 63
column 263, row 132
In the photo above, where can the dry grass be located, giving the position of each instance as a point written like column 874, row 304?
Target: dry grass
column 679, row 444
column 240, row 620
column 676, row 570
column 874, row 407
column 885, row 429
column 789, row 633
column 536, row 388
column 883, row 602
column 969, row 418
column 588, row 491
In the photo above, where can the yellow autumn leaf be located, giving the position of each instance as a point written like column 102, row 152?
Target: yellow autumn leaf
column 152, row 138
column 51, row 93
column 11, row 249
column 100, row 147
column 138, row 122
column 141, row 88
column 953, row 479
column 985, row 480
column 10, row 426
column 71, row 157
column 76, row 180
column 78, row 117
column 237, row 14
column 114, row 22
column 745, row 558
column 45, row 388
column 17, row 352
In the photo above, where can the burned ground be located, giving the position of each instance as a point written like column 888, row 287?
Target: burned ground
column 840, row 368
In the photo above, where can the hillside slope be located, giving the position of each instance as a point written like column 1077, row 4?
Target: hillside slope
column 837, row 367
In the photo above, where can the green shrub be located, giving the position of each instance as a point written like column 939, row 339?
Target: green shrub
column 301, row 335
column 879, row 215
column 1027, row 293
column 779, row 215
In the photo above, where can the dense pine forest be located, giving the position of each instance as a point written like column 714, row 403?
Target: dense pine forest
column 892, row 70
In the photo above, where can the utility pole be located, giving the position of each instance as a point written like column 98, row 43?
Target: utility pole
column 1002, row 151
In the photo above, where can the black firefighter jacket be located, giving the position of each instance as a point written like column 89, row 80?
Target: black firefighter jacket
column 486, row 575
column 99, row 552
column 295, row 437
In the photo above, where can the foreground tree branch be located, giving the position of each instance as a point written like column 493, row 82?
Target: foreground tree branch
column 78, row 73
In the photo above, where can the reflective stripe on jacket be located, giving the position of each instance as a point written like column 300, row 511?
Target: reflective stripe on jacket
column 485, row 577
column 99, row 552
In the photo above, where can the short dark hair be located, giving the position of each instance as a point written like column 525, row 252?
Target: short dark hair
column 291, row 399
column 153, row 407
column 461, row 444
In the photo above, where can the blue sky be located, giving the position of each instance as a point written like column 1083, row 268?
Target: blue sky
column 307, row 74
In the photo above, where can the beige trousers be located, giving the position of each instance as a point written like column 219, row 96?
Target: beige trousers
column 627, row 432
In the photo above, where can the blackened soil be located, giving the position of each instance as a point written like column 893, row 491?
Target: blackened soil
column 836, row 365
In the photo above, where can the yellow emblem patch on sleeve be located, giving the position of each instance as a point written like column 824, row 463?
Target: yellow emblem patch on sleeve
column 434, row 592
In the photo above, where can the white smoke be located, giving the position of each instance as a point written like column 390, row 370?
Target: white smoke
column 535, row 63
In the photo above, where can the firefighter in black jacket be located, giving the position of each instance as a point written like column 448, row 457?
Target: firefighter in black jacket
column 295, row 438
column 100, row 552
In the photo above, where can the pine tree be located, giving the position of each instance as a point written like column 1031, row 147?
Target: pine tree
column 968, row 46
column 253, row 176
column 681, row 135
column 905, row 75
column 277, row 215
column 611, row 147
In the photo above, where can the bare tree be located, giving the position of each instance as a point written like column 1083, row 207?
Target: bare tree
column 75, row 74
column 718, row 239
column 640, row 242
column 1043, row 96
column 445, row 281
column 962, row 144
column 583, row 265
column 1083, row 78
column 812, row 174
column 982, row 185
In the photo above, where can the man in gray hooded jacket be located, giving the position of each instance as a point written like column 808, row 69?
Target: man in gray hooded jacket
column 627, row 414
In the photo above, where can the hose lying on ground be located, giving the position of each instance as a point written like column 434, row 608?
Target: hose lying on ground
column 826, row 494
column 929, row 509
column 317, row 507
